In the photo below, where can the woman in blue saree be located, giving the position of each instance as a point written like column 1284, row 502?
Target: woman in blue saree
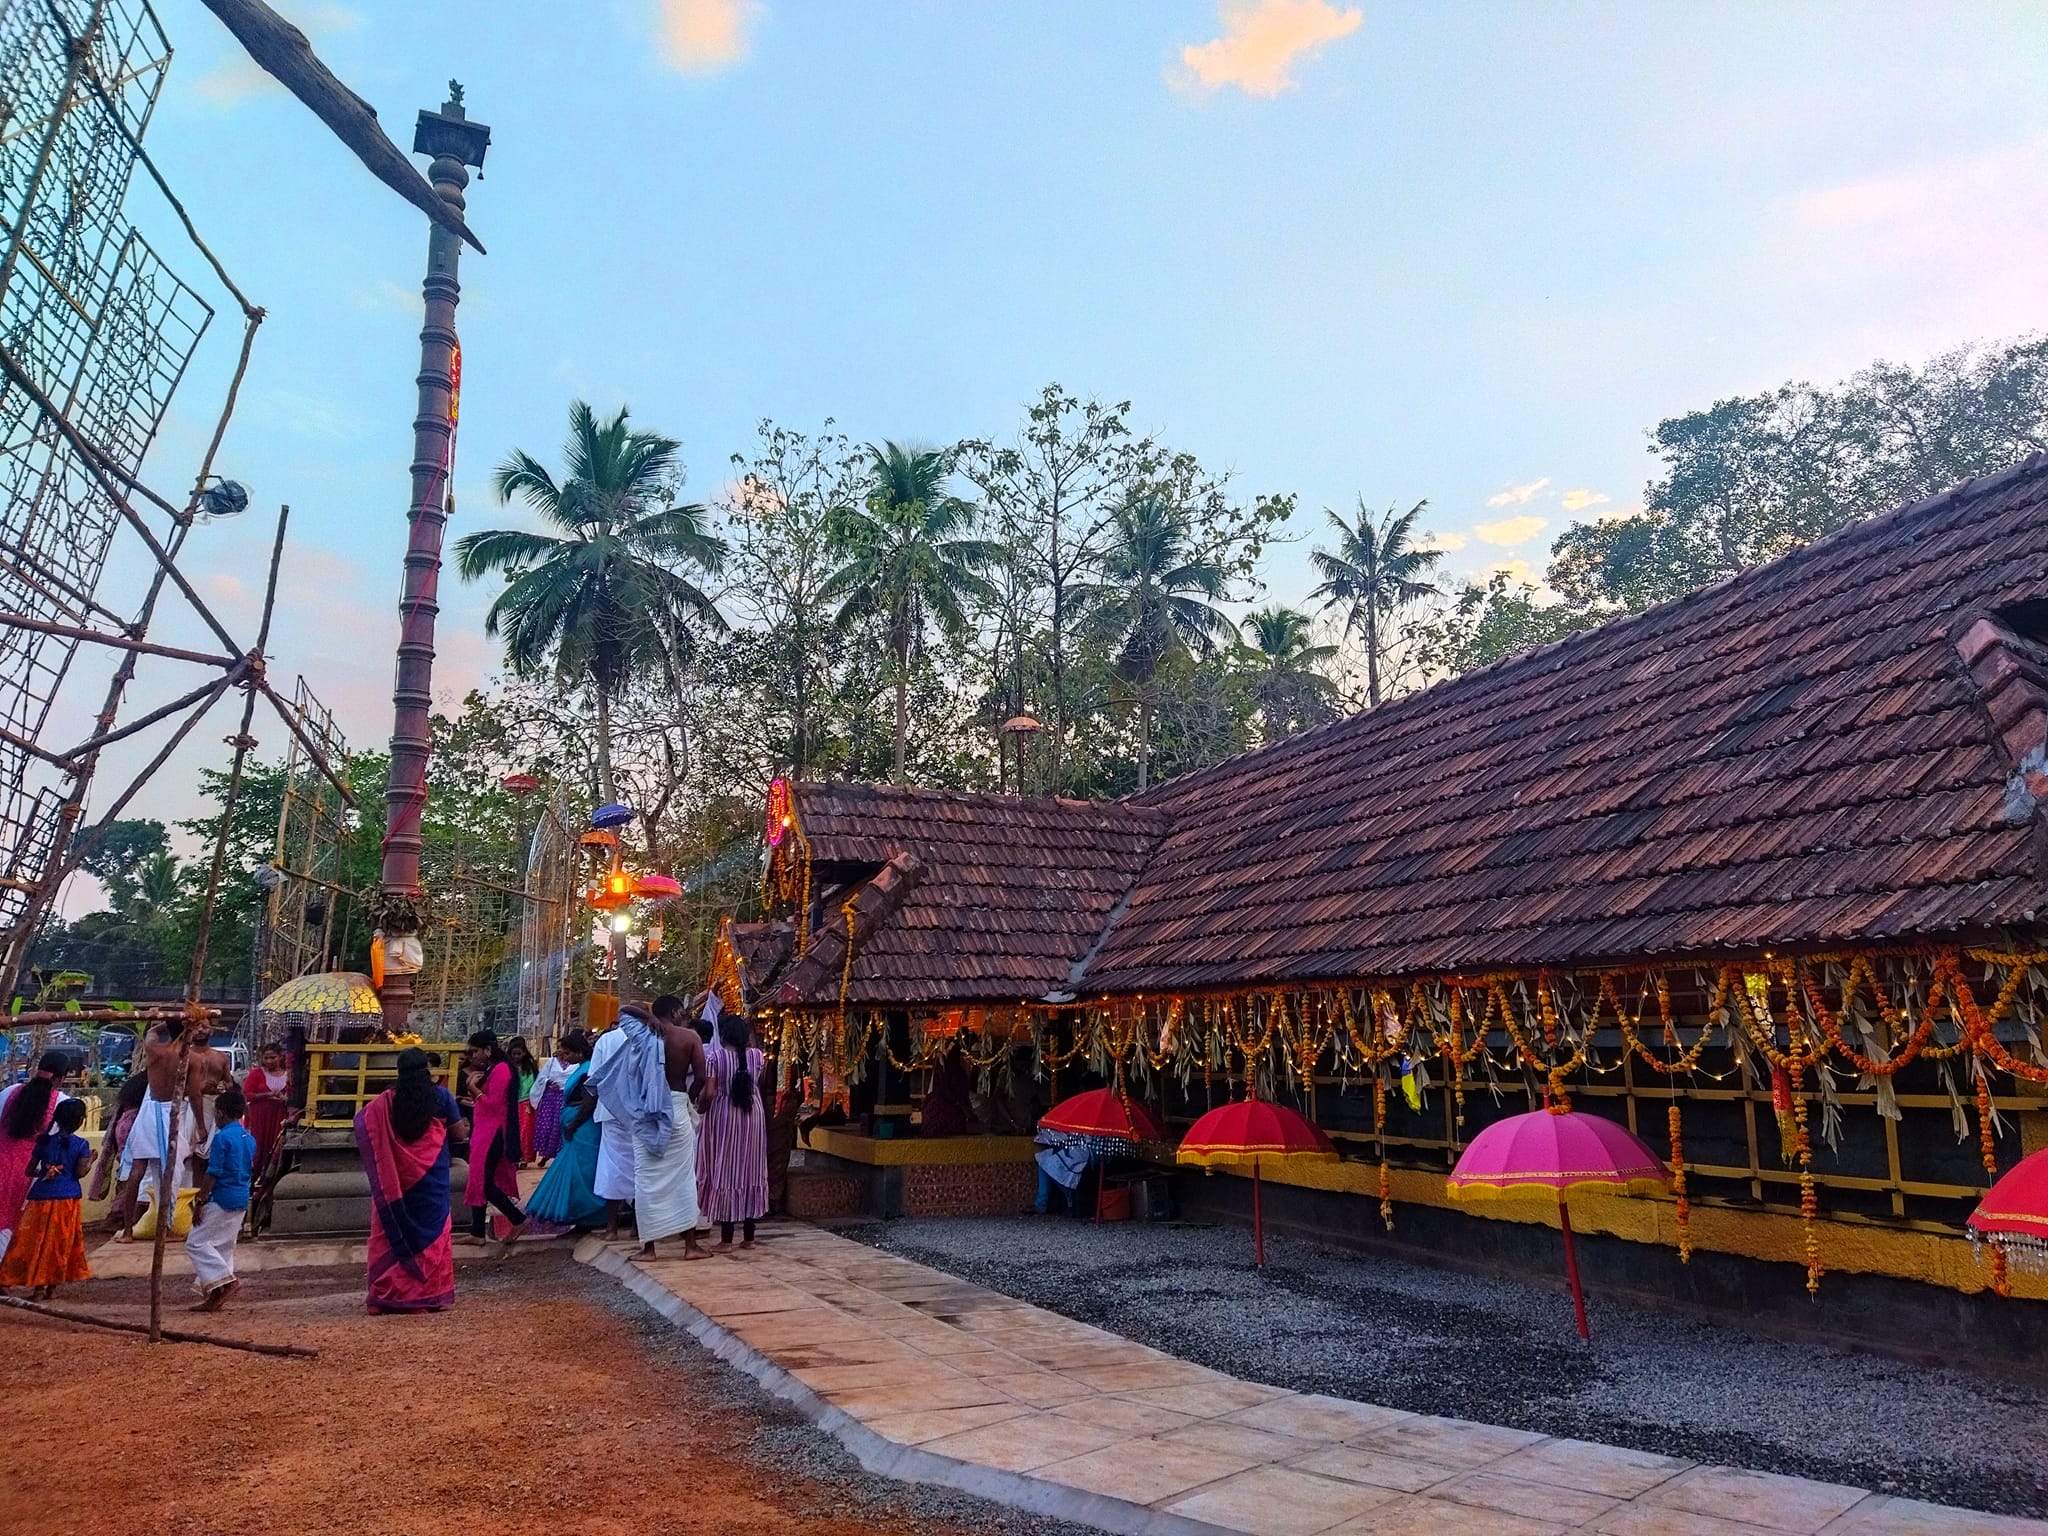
column 567, row 1194
column 404, row 1135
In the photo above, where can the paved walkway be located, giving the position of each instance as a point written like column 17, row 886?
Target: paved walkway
column 925, row 1377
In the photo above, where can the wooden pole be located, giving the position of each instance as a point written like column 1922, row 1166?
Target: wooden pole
column 1258, row 1222
column 196, row 1016
column 176, row 1336
column 1571, row 1264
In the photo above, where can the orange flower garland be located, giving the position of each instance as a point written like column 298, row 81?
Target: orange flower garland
column 1684, row 1210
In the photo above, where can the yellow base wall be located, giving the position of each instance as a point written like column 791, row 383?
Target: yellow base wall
column 1850, row 1247
column 921, row 1151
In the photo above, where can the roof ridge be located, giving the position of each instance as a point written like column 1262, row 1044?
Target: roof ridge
column 1556, row 650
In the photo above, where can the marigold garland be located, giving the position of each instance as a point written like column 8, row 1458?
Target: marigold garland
column 1684, row 1205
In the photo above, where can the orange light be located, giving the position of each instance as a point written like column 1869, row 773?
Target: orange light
column 619, row 883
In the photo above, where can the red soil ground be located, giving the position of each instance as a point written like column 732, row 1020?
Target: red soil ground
column 540, row 1404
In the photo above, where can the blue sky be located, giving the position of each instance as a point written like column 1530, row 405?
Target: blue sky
column 1463, row 252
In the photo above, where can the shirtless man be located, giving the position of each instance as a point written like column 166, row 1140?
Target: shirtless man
column 665, row 1186
column 207, row 1071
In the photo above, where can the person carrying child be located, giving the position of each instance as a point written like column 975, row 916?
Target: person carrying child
column 49, row 1242
column 222, row 1202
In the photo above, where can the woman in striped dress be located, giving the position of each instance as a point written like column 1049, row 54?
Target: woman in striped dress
column 732, row 1147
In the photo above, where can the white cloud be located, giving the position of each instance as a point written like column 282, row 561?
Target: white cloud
column 1517, row 495
column 236, row 78
column 702, row 37
column 1578, row 501
column 1518, row 569
column 1512, row 530
column 1447, row 540
column 1261, row 40
column 388, row 297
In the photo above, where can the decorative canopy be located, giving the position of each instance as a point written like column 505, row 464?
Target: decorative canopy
column 1550, row 1153
column 1254, row 1132
column 2013, row 1216
column 323, row 995
column 1103, row 1114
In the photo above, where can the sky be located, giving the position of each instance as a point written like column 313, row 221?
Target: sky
column 1389, row 251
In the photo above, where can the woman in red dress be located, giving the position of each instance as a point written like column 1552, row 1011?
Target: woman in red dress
column 268, row 1088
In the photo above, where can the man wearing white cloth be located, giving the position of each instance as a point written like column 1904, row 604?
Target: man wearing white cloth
column 653, row 1080
column 613, row 1179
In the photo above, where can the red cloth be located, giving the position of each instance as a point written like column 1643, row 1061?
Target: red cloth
column 265, row 1117
column 494, row 1119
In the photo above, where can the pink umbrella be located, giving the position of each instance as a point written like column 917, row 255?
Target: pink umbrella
column 1549, row 1153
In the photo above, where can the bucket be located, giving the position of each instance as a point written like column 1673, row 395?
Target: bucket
column 1113, row 1205
column 181, row 1217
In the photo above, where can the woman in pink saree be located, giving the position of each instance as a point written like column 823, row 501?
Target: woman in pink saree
column 404, row 1135
column 26, row 1110
column 493, row 1141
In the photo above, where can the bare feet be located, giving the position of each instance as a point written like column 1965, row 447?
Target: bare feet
column 646, row 1254
column 692, row 1249
column 467, row 1240
column 218, row 1296
column 746, row 1242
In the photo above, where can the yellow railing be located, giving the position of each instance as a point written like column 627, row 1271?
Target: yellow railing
column 341, row 1079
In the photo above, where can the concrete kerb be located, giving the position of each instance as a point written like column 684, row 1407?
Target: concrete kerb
column 876, row 1453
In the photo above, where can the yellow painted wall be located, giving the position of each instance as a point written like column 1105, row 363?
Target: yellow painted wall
column 921, row 1151
column 1857, row 1248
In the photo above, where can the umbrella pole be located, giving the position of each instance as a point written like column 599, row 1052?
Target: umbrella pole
column 1571, row 1265
column 1258, row 1222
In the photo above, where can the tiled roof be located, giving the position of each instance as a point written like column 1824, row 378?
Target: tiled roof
column 1799, row 755
column 1011, row 892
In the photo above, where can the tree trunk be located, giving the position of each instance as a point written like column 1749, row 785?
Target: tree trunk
column 1372, row 655
column 608, row 787
column 1144, row 739
column 902, row 713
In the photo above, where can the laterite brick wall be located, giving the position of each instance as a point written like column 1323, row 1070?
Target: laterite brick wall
column 968, row 1189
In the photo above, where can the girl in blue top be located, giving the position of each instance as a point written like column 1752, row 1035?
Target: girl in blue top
column 49, row 1245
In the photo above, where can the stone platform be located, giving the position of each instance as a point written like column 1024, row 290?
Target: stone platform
column 930, row 1379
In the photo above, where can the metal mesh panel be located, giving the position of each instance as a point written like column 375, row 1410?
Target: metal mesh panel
column 103, row 330
column 305, row 919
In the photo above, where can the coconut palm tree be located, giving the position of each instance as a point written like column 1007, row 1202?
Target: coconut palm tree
column 1291, row 689
column 1154, row 602
column 1375, row 571
column 612, row 588
column 909, row 562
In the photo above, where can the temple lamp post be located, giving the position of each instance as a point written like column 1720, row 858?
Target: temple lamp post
column 455, row 144
column 1020, row 729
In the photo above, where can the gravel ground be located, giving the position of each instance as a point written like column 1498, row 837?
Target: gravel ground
column 547, row 1400
column 1437, row 1341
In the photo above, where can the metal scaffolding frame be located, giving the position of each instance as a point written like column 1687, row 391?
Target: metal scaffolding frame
column 96, row 333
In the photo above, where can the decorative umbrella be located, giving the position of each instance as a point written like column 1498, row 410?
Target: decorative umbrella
column 657, row 887
column 608, row 818
column 1550, row 1152
column 324, row 1000
column 2013, row 1215
column 520, row 783
column 1103, row 1118
column 1254, row 1132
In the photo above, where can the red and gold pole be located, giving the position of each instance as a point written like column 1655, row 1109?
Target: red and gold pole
column 455, row 143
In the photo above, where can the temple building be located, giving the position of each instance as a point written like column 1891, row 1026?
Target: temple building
column 1761, row 872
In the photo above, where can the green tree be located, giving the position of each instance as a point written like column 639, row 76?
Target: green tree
column 115, row 856
column 614, row 588
column 1754, row 477
column 1485, row 623
column 1375, row 572
column 910, row 563
column 1288, row 682
column 1155, row 601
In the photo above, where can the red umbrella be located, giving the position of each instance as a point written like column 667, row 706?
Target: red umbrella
column 1103, row 1114
column 2013, row 1215
column 1550, row 1153
column 1254, row 1132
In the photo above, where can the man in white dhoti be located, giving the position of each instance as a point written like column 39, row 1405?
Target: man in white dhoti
column 653, row 1083
column 148, row 1149
column 613, row 1180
